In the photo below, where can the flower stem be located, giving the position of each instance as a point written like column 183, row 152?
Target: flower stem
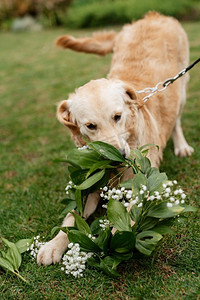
column 22, row 278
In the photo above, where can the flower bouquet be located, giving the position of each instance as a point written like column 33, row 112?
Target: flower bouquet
column 137, row 213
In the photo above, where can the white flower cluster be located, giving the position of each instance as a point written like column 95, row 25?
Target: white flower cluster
column 120, row 194
column 91, row 237
column 35, row 246
column 171, row 193
column 74, row 260
column 104, row 224
column 84, row 147
column 69, row 186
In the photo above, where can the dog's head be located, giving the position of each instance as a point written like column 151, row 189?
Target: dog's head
column 101, row 110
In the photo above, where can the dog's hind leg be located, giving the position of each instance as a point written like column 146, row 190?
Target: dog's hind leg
column 53, row 250
column 100, row 43
column 181, row 147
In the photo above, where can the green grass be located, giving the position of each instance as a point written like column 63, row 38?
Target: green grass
column 34, row 76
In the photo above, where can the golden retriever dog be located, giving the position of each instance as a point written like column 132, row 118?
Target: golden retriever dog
column 144, row 53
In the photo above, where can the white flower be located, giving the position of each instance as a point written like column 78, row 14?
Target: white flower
column 84, row 147
column 141, row 192
column 128, row 196
column 144, row 187
column 105, row 188
column 123, row 189
column 183, row 196
column 118, row 192
column 74, row 261
column 156, row 193
column 164, row 185
column 152, row 198
column 171, row 199
column 35, row 246
column 182, row 201
column 133, row 202
column 126, row 204
column 180, row 191
column 169, row 204
column 140, row 204
column 177, row 202
column 176, row 192
column 175, row 182
column 166, row 195
column 168, row 190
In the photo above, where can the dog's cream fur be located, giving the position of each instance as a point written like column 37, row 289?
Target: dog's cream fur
column 145, row 52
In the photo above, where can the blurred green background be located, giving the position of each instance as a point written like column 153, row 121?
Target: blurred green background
column 92, row 13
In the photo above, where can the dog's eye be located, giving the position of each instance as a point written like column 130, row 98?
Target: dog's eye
column 117, row 117
column 91, row 126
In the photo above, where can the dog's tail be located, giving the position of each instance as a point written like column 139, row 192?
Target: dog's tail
column 100, row 43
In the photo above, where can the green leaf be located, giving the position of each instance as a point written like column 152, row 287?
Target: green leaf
column 118, row 215
column 66, row 201
column 67, row 161
column 13, row 254
column 100, row 165
column 138, row 180
column 148, row 223
column 78, row 176
column 22, row 244
column 81, row 224
column 127, row 184
column 188, row 208
column 147, row 241
column 112, row 262
column 83, row 158
column 122, row 256
column 94, row 262
column 155, row 182
column 163, row 229
column 103, row 239
column 135, row 213
column 108, row 151
column 111, row 271
column 79, row 202
column 94, row 227
column 69, row 207
column 142, row 161
column 6, row 265
column 123, row 242
column 83, row 240
column 102, row 182
column 161, row 211
column 152, row 171
column 91, row 180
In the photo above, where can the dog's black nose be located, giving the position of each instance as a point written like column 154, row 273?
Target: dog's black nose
column 123, row 153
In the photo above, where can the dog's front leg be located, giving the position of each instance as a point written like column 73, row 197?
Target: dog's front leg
column 53, row 250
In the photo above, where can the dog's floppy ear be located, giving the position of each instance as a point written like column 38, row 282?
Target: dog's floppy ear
column 132, row 96
column 65, row 117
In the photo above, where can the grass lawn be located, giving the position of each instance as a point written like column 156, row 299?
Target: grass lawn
column 34, row 76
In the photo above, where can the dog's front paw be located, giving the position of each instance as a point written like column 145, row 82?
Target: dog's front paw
column 52, row 251
column 183, row 151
